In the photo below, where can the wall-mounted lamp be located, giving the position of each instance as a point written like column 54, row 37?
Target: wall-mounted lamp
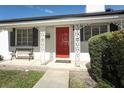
column 47, row 35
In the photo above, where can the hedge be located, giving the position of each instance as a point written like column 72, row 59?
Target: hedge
column 107, row 57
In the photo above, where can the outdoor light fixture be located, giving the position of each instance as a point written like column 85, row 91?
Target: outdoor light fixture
column 47, row 36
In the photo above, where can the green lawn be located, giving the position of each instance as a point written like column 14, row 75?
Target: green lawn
column 80, row 79
column 19, row 79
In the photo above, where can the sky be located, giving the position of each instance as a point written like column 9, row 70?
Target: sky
column 21, row 11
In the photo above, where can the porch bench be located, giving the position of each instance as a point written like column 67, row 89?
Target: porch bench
column 24, row 53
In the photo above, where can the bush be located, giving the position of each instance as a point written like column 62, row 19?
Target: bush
column 107, row 57
column 1, row 57
column 104, row 84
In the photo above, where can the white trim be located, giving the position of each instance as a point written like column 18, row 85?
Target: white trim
column 21, row 37
column 70, row 39
column 55, row 41
column 83, row 33
column 99, row 29
column 15, row 37
column 64, row 21
column 91, row 32
column 121, row 24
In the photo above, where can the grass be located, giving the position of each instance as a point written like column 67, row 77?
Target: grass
column 75, row 80
column 80, row 79
column 75, row 83
column 19, row 79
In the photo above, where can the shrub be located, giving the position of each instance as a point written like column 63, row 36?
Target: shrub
column 103, row 84
column 107, row 57
column 1, row 57
column 97, row 45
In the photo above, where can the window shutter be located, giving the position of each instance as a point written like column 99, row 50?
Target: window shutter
column 12, row 37
column 35, row 36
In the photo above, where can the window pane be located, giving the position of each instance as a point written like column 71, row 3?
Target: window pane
column 30, row 37
column 103, row 28
column 19, row 42
column 24, row 38
column 95, row 30
column 87, row 32
column 24, row 33
column 30, row 43
column 18, row 33
column 18, row 37
column 24, row 43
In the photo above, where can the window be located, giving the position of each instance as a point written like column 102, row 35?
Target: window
column 95, row 30
column 24, row 37
column 87, row 30
column 103, row 28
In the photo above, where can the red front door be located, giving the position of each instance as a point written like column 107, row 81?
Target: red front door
column 62, row 42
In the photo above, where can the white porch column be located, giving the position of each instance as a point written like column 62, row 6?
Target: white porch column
column 121, row 24
column 77, row 44
column 42, row 44
column 108, row 28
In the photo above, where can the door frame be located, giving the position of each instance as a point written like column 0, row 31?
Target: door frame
column 69, row 26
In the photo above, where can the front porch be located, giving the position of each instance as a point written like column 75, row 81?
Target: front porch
column 25, row 64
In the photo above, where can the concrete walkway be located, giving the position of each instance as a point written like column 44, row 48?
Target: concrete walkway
column 54, row 79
